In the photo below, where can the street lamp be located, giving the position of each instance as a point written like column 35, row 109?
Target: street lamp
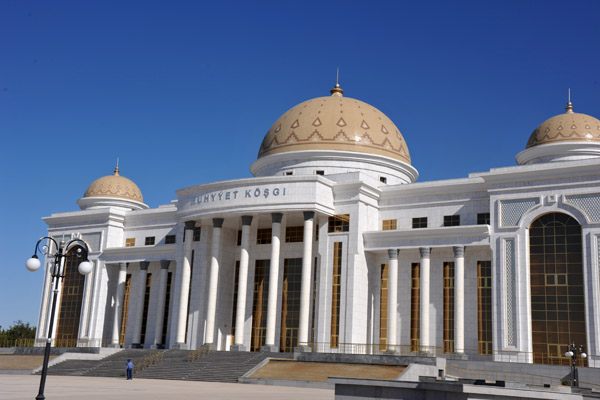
column 57, row 270
column 572, row 352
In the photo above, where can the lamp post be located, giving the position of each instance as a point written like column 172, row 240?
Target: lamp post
column 572, row 352
column 57, row 270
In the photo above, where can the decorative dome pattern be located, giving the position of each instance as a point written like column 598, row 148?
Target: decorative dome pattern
column 335, row 123
column 114, row 186
column 567, row 127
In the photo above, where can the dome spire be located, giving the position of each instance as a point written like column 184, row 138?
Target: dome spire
column 337, row 90
column 116, row 173
column 569, row 107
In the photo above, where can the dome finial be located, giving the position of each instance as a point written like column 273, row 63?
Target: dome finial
column 569, row 107
column 116, row 173
column 337, row 90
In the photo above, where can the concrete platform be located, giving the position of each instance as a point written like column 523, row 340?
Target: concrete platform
column 21, row 387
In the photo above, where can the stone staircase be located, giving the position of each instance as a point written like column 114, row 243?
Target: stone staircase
column 111, row 366
column 213, row 366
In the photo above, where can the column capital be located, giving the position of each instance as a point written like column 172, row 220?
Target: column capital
column 393, row 254
column 218, row 222
column 425, row 252
column 190, row 225
column 309, row 215
column 246, row 219
column 123, row 266
column 164, row 264
column 277, row 217
column 459, row 251
column 144, row 265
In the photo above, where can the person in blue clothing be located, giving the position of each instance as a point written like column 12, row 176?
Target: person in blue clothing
column 129, row 369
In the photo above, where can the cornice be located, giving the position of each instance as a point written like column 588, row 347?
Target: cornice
column 139, row 253
column 444, row 187
column 101, row 215
column 427, row 237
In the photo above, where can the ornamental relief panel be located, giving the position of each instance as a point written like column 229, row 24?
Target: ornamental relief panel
column 589, row 204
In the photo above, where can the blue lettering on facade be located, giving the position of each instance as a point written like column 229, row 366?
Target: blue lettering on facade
column 223, row 196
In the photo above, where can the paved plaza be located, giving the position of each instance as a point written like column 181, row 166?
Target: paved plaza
column 20, row 387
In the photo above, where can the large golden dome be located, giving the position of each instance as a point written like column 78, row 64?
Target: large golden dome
column 115, row 186
column 335, row 123
column 567, row 127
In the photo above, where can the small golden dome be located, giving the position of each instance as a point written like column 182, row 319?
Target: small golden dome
column 567, row 127
column 335, row 123
column 114, row 185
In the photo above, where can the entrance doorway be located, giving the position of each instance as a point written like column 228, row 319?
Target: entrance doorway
column 557, row 293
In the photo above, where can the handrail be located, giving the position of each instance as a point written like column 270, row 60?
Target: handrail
column 17, row 342
column 199, row 353
column 519, row 377
column 148, row 361
column 512, row 356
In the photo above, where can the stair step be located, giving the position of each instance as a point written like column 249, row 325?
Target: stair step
column 216, row 366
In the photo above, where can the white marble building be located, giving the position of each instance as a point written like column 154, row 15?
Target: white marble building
column 332, row 246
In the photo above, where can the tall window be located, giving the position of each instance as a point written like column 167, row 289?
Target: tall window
column 145, row 312
column 236, row 280
column 70, row 302
column 415, row 305
column 483, row 219
column 557, row 290
column 336, row 294
column 314, row 302
column 170, row 239
column 419, row 222
column 451, row 220
column 189, row 303
column 264, row 235
column 448, row 307
column 167, row 302
column 339, row 223
column 290, row 303
column 196, row 234
column 125, row 309
column 383, row 307
column 388, row 224
column 260, row 303
column 294, row 234
column 484, row 307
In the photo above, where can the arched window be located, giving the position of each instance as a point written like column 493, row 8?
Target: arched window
column 557, row 293
column 70, row 302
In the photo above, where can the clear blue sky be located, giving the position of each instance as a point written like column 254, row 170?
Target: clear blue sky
column 183, row 92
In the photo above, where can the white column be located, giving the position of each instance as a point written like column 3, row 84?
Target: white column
column 306, row 275
column 119, row 303
column 240, row 314
column 185, row 284
column 273, row 283
column 42, row 330
column 459, row 299
column 139, row 311
column 392, row 318
column 85, row 306
column 424, row 327
column 162, row 298
column 215, row 260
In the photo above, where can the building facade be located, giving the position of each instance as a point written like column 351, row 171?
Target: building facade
column 333, row 246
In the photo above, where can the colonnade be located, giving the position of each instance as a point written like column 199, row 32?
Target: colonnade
column 215, row 261
column 139, row 311
column 425, row 267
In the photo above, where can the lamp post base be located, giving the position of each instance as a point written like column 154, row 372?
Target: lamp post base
column 40, row 395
